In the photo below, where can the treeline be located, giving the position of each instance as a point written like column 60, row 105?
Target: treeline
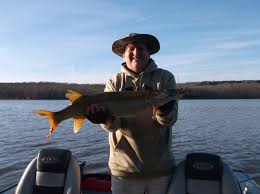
column 247, row 89
column 196, row 90
column 44, row 90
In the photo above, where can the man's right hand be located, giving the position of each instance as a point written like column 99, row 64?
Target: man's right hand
column 97, row 114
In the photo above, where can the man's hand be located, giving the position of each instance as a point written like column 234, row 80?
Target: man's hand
column 97, row 114
column 166, row 108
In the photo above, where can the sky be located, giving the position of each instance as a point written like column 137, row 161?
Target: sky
column 70, row 41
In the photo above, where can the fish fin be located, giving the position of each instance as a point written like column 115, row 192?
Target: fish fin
column 52, row 121
column 73, row 95
column 78, row 122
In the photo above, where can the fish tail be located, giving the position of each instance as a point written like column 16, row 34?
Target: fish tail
column 52, row 121
column 78, row 122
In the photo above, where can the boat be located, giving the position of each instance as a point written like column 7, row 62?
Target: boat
column 58, row 171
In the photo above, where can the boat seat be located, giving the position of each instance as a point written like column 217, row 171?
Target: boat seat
column 203, row 173
column 52, row 171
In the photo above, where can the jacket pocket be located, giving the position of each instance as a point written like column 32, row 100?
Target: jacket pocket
column 125, row 157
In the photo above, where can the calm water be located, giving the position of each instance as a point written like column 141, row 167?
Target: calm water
column 230, row 128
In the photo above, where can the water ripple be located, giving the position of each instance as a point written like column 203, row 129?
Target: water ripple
column 229, row 128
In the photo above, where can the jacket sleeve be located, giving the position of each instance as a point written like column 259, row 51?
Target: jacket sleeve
column 116, row 123
column 170, row 118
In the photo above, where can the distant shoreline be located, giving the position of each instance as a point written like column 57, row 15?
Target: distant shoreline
column 245, row 89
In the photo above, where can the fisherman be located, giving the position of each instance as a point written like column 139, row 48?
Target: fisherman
column 141, row 159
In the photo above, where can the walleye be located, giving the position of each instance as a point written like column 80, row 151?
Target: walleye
column 118, row 104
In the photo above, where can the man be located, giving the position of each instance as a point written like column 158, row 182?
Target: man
column 141, row 158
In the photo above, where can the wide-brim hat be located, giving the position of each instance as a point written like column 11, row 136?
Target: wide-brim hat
column 150, row 41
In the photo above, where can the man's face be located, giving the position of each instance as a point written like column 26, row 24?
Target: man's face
column 136, row 56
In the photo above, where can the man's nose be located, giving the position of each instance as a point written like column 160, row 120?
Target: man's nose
column 136, row 51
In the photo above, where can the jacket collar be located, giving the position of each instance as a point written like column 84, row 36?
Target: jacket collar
column 150, row 68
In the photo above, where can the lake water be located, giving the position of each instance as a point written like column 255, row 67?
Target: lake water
column 229, row 128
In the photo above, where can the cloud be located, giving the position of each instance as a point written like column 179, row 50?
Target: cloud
column 198, row 76
column 69, row 75
column 191, row 58
column 229, row 39
column 253, row 62
column 71, row 41
column 56, row 14
column 237, row 44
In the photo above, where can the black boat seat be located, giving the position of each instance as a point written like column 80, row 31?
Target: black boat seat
column 52, row 171
column 203, row 173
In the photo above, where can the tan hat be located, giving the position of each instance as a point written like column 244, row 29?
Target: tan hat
column 150, row 41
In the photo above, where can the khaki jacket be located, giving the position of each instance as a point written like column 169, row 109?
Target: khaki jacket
column 140, row 146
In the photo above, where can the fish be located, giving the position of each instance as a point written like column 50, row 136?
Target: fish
column 118, row 104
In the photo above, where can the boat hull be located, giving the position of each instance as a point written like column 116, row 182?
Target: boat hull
column 193, row 168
